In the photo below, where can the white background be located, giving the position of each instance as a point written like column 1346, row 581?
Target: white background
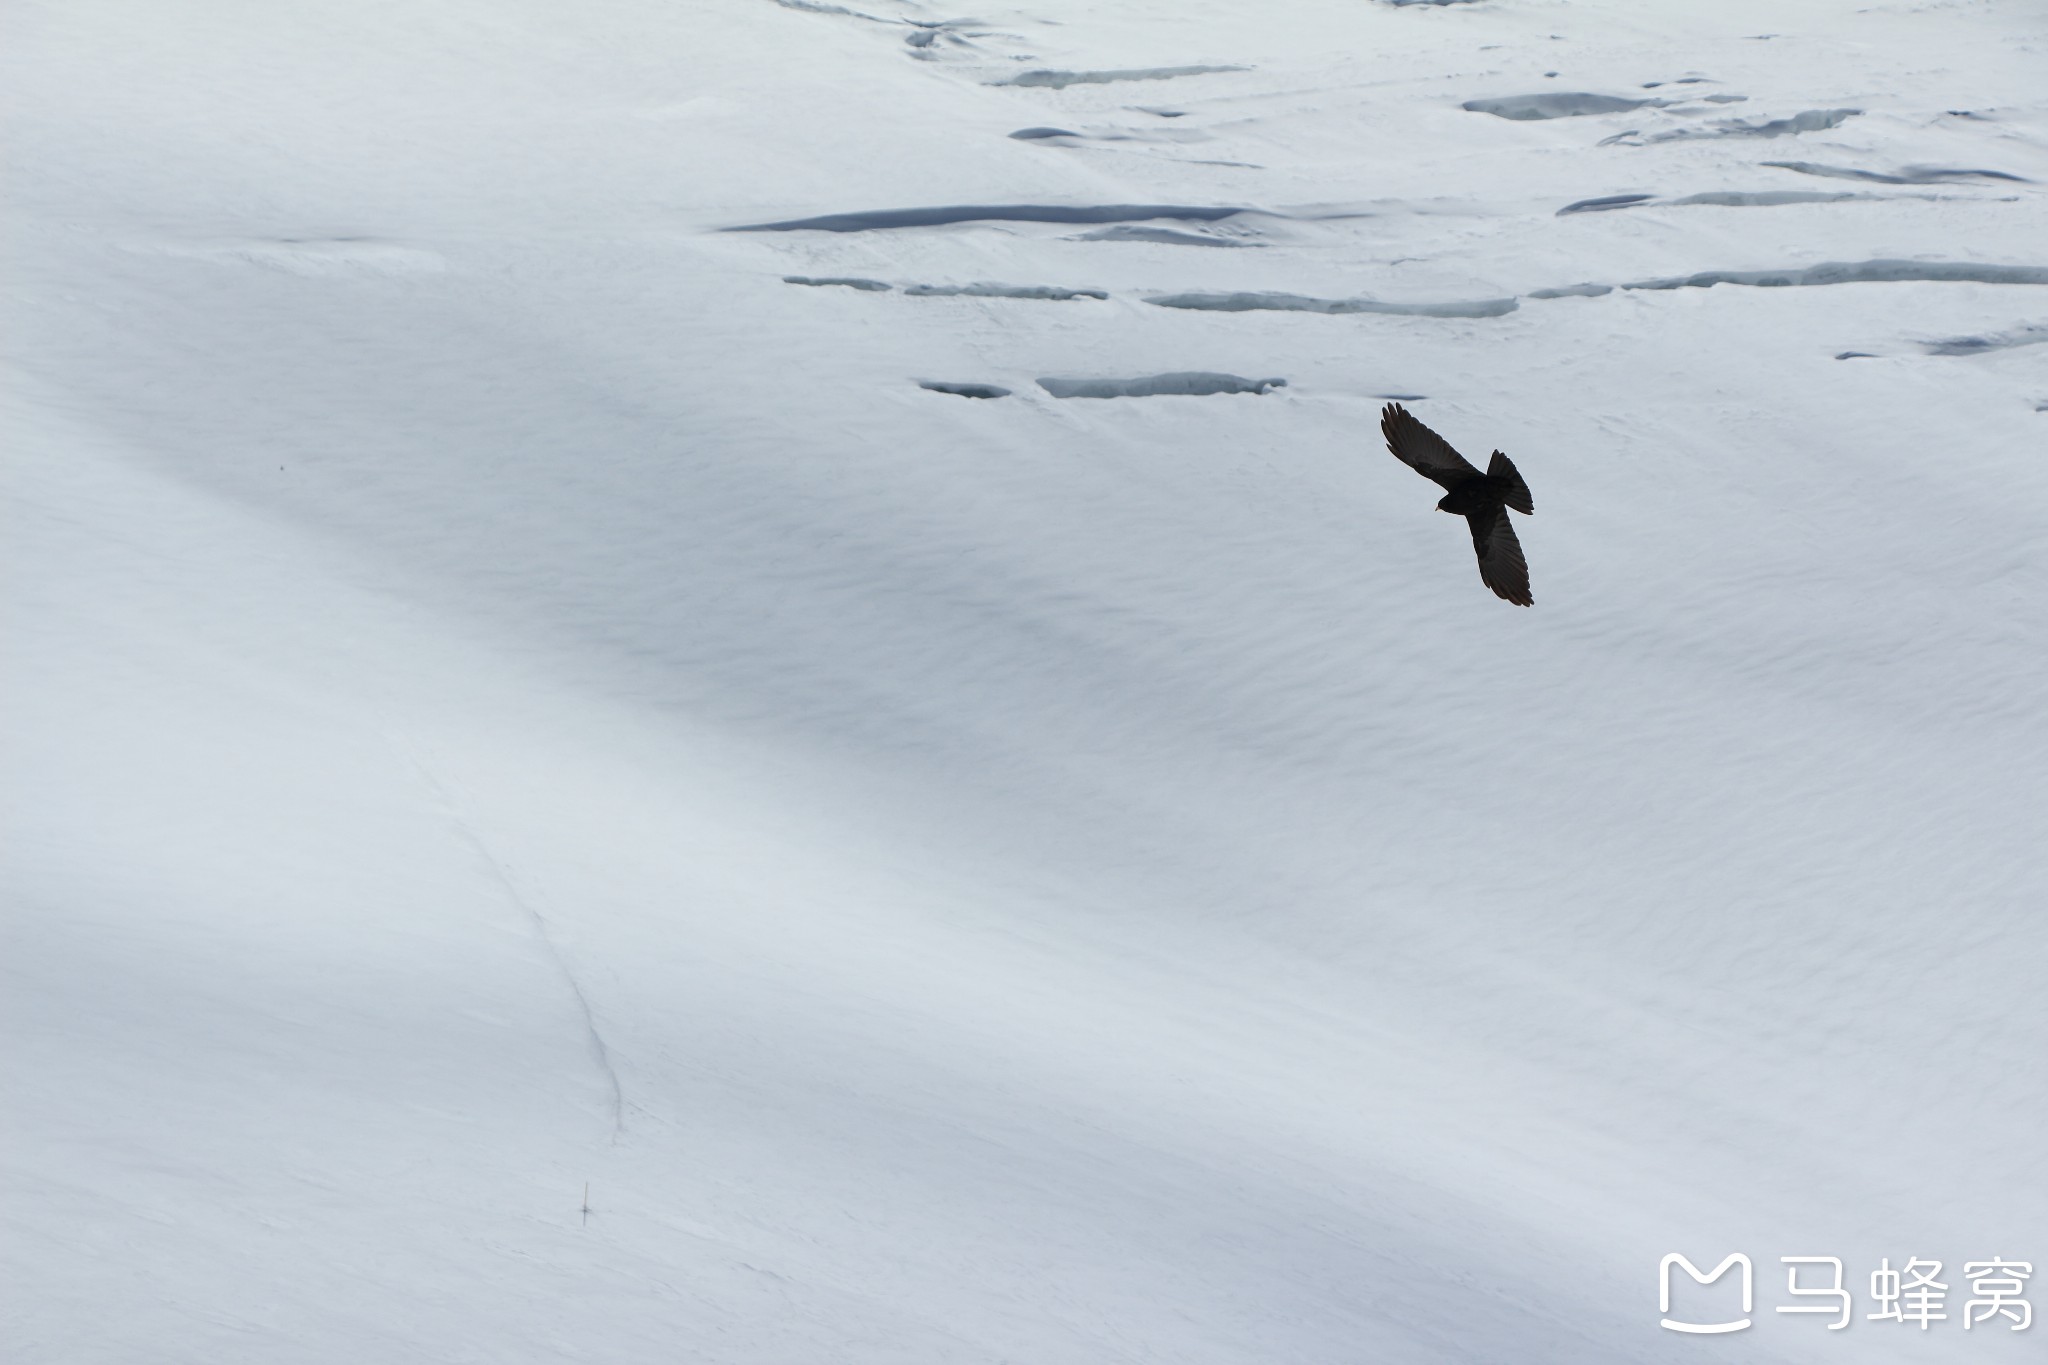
column 503, row 692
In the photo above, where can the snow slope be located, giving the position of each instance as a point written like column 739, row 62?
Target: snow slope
column 506, row 692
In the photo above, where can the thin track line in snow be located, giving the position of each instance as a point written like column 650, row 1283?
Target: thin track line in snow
column 542, row 931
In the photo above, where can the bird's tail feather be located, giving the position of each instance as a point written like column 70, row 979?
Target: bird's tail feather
column 1517, row 496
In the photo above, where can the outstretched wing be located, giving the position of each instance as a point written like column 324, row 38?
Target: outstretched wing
column 1422, row 450
column 1500, row 555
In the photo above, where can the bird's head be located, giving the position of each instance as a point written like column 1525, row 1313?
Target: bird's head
column 1444, row 505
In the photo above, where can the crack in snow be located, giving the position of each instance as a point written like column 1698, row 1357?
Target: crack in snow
column 1247, row 302
column 882, row 220
column 842, row 281
column 1181, row 383
column 1060, row 80
column 1001, row 291
column 1909, row 175
column 964, row 390
column 1857, row 272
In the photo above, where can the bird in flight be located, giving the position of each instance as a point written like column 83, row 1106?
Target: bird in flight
column 1482, row 500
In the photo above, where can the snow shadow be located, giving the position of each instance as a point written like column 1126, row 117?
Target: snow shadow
column 1300, row 303
column 1562, row 104
column 1070, row 137
column 2033, row 334
column 1725, row 199
column 937, row 39
column 883, row 220
column 1181, row 383
column 1810, row 121
column 964, row 390
column 311, row 256
column 1163, row 236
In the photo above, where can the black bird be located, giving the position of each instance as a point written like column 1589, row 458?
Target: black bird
column 1481, row 499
